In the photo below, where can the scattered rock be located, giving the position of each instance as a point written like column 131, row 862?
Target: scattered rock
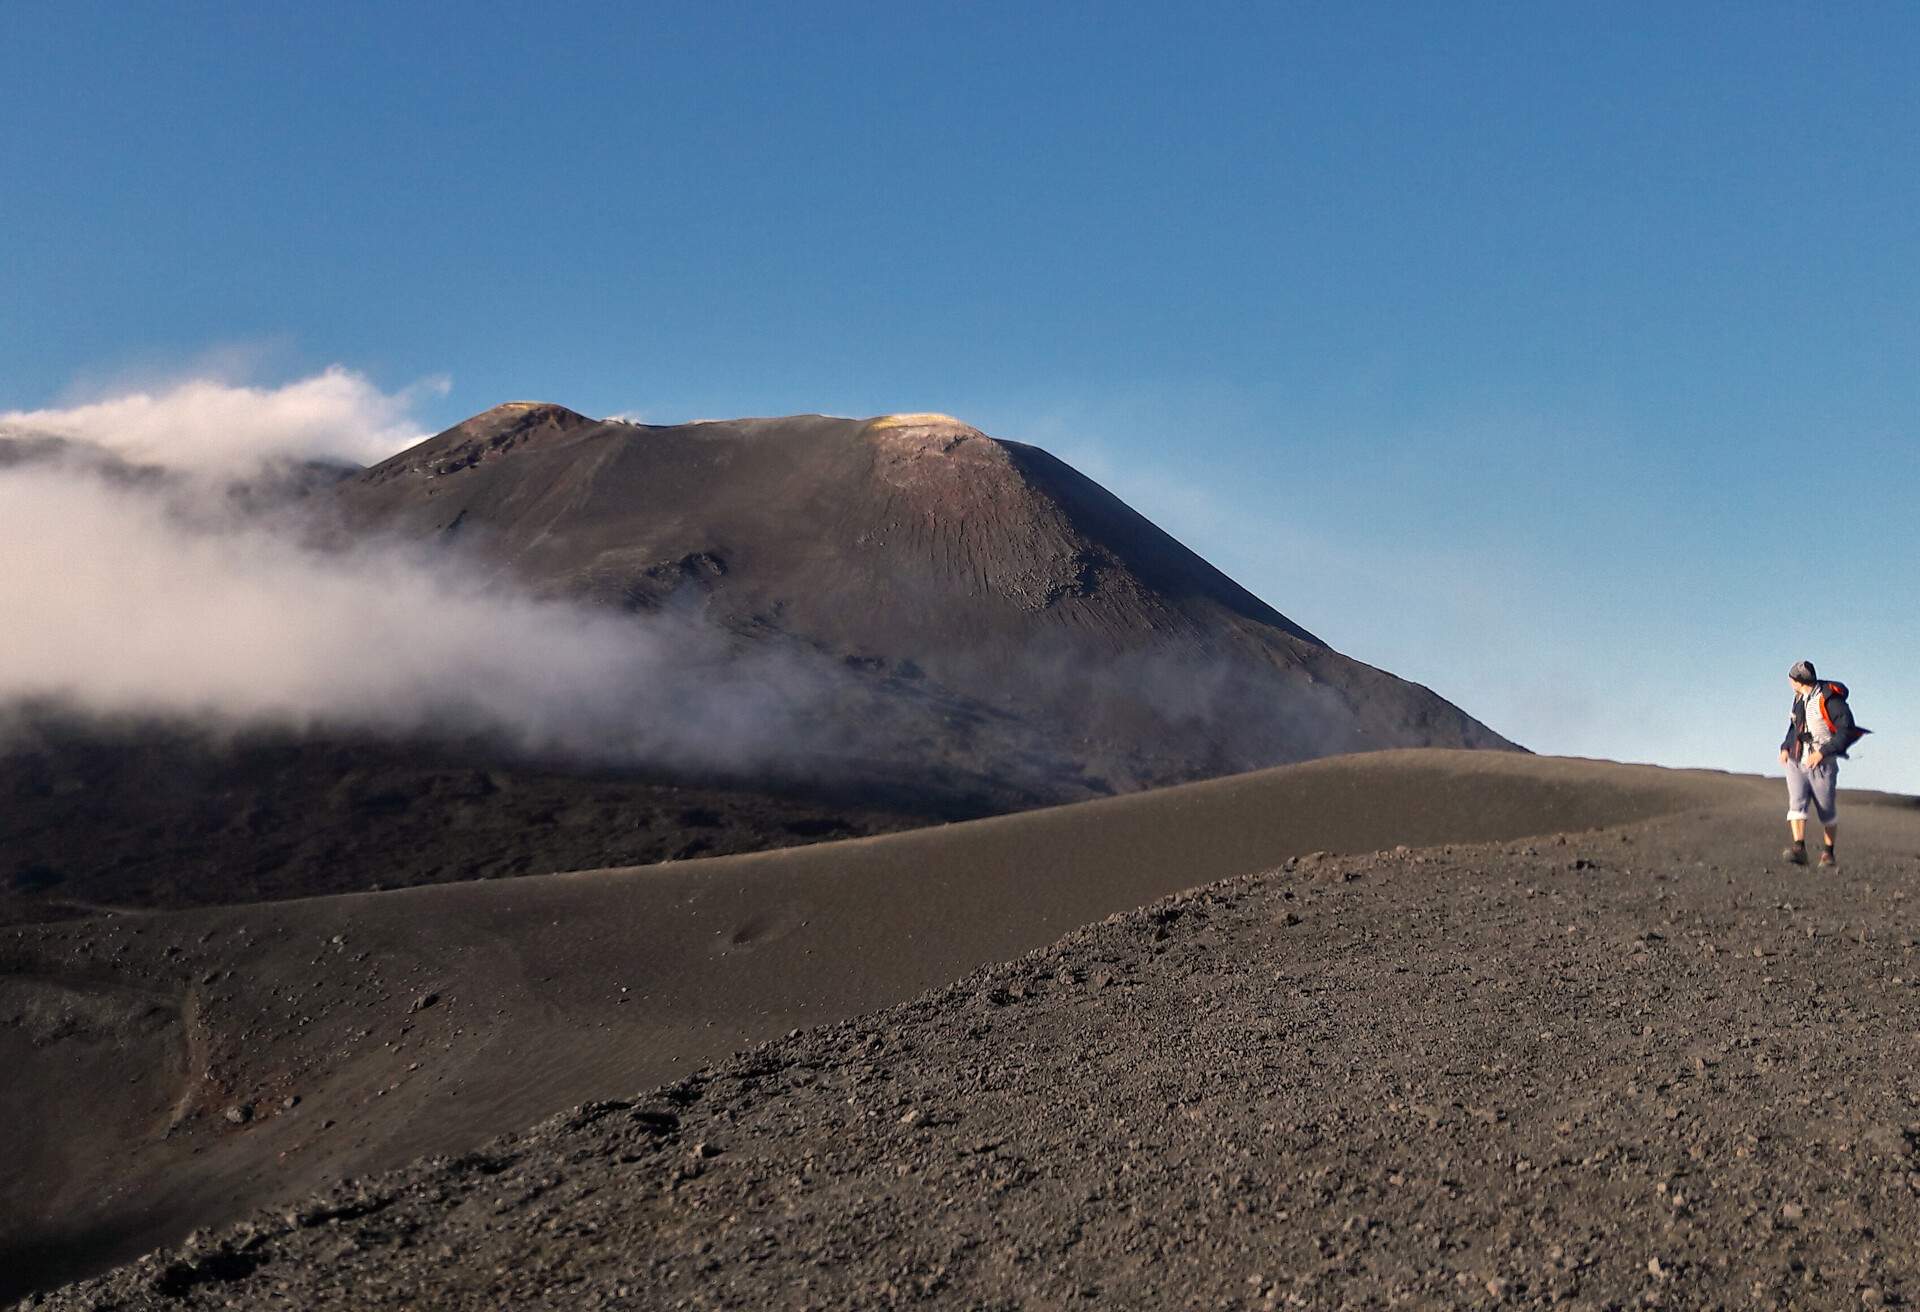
column 1528, row 1114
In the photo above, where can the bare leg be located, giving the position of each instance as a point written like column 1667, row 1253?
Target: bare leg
column 1799, row 796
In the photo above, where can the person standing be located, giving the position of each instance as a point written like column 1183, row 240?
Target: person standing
column 1819, row 733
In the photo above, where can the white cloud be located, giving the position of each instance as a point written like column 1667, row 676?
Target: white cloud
column 204, row 424
column 118, row 604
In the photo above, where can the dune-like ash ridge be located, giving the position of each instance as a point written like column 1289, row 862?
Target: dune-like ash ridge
column 1630, row 1060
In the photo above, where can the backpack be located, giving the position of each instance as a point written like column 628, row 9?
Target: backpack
column 1843, row 739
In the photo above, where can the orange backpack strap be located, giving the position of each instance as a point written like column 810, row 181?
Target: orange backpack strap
column 1823, row 712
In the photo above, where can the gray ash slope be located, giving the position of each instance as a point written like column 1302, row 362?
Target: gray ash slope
column 913, row 546
column 554, row 990
column 1645, row 1066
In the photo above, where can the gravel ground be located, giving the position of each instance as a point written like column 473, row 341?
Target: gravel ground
column 1647, row 1067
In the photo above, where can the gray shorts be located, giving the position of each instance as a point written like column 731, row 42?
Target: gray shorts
column 1816, row 786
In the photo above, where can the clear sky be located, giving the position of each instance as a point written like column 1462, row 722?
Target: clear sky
column 1559, row 356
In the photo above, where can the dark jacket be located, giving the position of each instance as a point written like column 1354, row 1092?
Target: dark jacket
column 1820, row 719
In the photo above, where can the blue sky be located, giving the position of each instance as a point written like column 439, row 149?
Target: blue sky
column 1561, row 357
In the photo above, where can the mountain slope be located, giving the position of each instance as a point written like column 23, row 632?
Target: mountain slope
column 946, row 626
column 910, row 545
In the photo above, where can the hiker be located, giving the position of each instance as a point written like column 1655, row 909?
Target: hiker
column 1819, row 734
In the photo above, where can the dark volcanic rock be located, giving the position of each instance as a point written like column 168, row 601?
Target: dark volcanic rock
column 115, row 817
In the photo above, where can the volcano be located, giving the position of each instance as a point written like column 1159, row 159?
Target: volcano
column 913, row 548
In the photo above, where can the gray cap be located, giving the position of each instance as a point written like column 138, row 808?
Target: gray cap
column 1803, row 673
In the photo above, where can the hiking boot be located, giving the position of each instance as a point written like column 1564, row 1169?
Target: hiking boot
column 1796, row 853
column 1827, row 858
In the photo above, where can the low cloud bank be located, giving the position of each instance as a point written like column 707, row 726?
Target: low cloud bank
column 207, row 425
column 151, row 597
column 118, row 606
